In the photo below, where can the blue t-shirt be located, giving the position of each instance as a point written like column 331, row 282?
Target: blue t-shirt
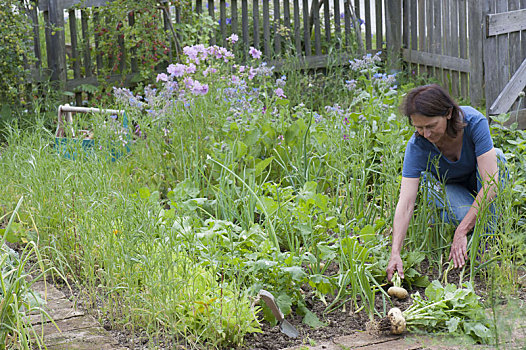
column 421, row 155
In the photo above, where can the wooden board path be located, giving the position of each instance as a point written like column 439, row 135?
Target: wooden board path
column 78, row 331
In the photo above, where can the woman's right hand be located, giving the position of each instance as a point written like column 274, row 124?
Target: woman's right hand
column 395, row 265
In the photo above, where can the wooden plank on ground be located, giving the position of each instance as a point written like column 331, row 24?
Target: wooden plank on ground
column 505, row 22
column 440, row 61
column 509, row 93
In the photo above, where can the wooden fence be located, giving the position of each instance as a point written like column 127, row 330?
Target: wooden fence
column 302, row 28
column 475, row 48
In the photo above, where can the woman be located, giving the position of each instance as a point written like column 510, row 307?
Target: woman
column 454, row 145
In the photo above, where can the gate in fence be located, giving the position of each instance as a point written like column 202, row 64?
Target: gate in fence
column 475, row 48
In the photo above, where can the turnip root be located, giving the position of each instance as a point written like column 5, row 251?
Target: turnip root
column 397, row 320
column 398, row 292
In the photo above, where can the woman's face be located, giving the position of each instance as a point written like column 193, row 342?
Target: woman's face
column 432, row 128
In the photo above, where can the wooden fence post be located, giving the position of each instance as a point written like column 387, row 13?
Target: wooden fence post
column 476, row 53
column 394, row 32
column 55, row 41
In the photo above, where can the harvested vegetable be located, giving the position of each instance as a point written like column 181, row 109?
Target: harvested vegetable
column 447, row 309
column 397, row 290
column 397, row 321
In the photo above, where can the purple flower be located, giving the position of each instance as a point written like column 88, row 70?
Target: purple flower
column 190, row 69
column 255, row 53
column 209, row 70
column 199, row 89
column 280, row 93
column 232, row 39
column 176, row 70
column 162, row 77
column 190, row 52
column 251, row 73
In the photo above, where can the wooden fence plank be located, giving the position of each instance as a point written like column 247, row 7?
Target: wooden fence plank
column 506, row 21
column 337, row 23
column 266, row 29
column 244, row 23
column 255, row 9
column 429, row 33
column 509, row 93
column 446, row 42
column 211, row 13
column 394, row 31
column 413, row 30
column 74, row 43
column 286, row 17
column 277, row 25
column 462, row 45
column 455, row 76
column 297, row 26
column 379, row 27
column 347, row 20
column 436, row 60
column 222, row 21
column 317, row 30
column 327, row 20
column 515, row 44
column 422, row 44
column 406, row 18
column 523, row 43
column 306, row 28
column 503, row 57
column 33, row 13
column 55, row 42
column 437, row 36
column 98, row 57
column 133, row 53
column 368, row 27
column 234, row 14
column 476, row 52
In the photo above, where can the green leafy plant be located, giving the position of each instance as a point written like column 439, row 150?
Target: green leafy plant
column 15, row 50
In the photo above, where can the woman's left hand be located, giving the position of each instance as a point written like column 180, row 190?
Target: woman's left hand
column 459, row 249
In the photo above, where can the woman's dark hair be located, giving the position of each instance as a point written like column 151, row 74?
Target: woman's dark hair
column 433, row 101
